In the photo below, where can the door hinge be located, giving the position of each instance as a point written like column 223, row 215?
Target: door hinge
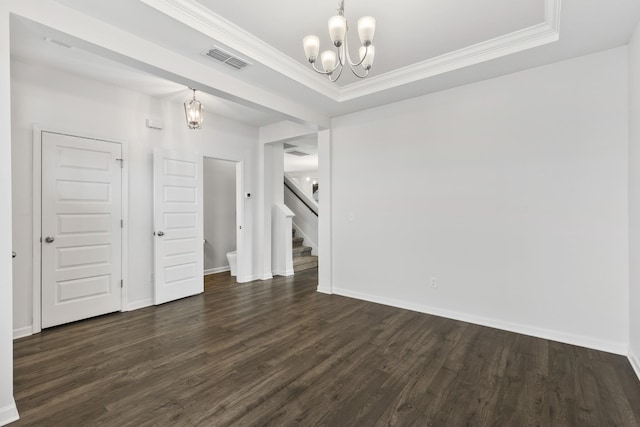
column 122, row 223
column 121, row 163
column 121, row 283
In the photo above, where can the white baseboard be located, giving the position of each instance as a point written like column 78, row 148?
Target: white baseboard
column 9, row 413
column 267, row 276
column 578, row 340
column 307, row 241
column 284, row 273
column 22, row 332
column 323, row 290
column 245, row 279
column 216, row 270
column 136, row 305
column 635, row 362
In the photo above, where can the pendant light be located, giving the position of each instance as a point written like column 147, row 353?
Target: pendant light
column 193, row 111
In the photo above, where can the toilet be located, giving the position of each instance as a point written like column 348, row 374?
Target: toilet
column 232, row 257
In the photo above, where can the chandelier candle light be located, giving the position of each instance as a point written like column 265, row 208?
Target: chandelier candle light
column 193, row 110
column 332, row 61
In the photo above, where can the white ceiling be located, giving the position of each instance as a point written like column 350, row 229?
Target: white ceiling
column 307, row 145
column 406, row 32
column 421, row 46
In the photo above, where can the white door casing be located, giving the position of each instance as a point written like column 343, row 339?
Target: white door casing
column 178, row 225
column 80, row 228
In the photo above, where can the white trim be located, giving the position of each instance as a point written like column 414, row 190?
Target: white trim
column 518, row 41
column 285, row 273
column 196, row 16
column 553, row 335
column 307, row 241
column 325, row 245
column 143, row 303
column 248, row 278
column 9, row 413
column 553, row 13
column 241, row 248
column 38, row 130
column 124, row 207
column 216, row 270
column 25, row 331
column 324, row 290
column 635, row 362
column 267, row 276
column 36, row 254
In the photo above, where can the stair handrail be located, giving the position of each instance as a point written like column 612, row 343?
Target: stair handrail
column 301, row 195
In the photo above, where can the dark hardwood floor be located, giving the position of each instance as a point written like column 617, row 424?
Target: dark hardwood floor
column 278, row 353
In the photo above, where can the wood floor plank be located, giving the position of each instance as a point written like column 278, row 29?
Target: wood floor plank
column 279, row 353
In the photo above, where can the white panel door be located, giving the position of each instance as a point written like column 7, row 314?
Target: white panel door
column 81, row 228
column 178, row 225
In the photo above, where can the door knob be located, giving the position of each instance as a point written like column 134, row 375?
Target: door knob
column 49, row 239
column 13, row 254
column 160, row 233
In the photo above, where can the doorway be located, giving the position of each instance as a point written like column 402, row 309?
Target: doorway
column 220, row 216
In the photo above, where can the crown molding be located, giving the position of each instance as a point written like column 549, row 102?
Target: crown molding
column 482, row 52
column 194, row 15
column 517, row 41
column 200, row 18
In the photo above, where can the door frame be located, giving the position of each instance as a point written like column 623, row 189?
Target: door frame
column 239, row 173
column 38, row 130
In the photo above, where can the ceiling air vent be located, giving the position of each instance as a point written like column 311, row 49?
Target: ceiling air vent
column 227, row 58
column 286, row 146
column 297, row 153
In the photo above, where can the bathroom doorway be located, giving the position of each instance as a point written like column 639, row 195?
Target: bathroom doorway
column 220, row 205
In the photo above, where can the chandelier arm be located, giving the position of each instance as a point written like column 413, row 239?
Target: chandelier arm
column 341, row 58
column 366, row 73
column 313, row 65
column 338, row 76
column 326, row 73
column 346, row 48
column 363, row 57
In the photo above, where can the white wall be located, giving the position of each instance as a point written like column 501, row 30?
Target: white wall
column 511, row 192
column 219, row 212
column 634, row 200
column 56, row 99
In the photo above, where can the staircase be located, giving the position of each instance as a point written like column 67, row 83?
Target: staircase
column 302, row 258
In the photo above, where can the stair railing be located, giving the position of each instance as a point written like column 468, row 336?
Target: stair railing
column 301, row 195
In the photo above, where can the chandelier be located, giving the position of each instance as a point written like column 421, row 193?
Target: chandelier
column 332, row 61
column 193, row 111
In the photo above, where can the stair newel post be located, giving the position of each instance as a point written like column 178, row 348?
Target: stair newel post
column 282, row 251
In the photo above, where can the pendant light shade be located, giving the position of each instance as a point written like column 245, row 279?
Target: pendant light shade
column 367, row 53
column 311, row 46
column 328, row 59
column 194, row 112
column 366, row 29
column 337, row 29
